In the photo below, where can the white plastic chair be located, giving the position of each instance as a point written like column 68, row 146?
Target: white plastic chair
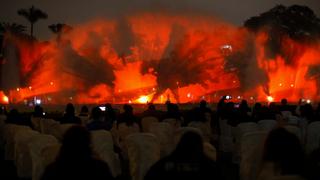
column 295, row 130
column 267, row 124
column 313, row 137
column 204, row 128
column 143, row 152
column 147, row 121
column 35, row 146
column 251, row 154
column 22, row 156
column 226, row 143
column 240, row 130
column 9, row 132
column 164, row 132
column 174, row 122
column 36, row 123
column 103, row 146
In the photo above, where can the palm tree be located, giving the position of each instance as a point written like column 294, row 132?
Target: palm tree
column 59, row 29
column 13, row 28
column 32, row 15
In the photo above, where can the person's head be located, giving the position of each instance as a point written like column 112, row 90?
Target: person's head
column 190, row 145
column 108, row 107
column 76, row 144
column 70, row 109
column 151, row 107
column 307, row 111
column 284, row 101
column 284, row 149
column 96, row 113
column 84, row 110
column 38, row 111
column 203, row 104
column 128, row 108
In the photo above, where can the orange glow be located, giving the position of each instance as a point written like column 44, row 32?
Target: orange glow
column 270, row 99
column 183, row 59
column 143, row 99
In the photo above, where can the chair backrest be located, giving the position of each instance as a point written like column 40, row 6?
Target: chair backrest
column 22, row 156
column 35, row 121
column 124, row 130
column 267, row 124
column 240, row 130
column 204, row 128
column 226, row 143
column 49, row 126
column 295, row 130
column 35, row 146
column 84, row 120
column 103, row 146
column 143, row 152
column 313, row 136
column 49, row 155
column 293, row 120
column 60, row 129
column 164, row 132
column 9, row 133
column 174, row 122
column 147, row 121
column 251, row 154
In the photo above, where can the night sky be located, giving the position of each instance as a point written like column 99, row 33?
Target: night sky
column 73, row 12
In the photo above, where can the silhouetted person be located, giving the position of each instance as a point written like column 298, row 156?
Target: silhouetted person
column 97, row 121
column 110, row 114
column 284, row 105
column 172, row 112
column 312, row 166
column 84, row 111
column 76, row 160
column 127, row 116
column 284, row 151
column 14, row 117
column 38, row 111
column 151, row 111
column 203, row 107
column 186, row 162
column 69, row 116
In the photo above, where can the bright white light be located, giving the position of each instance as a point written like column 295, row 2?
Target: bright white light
column 30, row 87
column 38, row 101
column 129, row 101
column 291, row 85
column 5, row 99
column 51, row 83
column 239, row 97
column 270, row 98
column 251, row 98
column 228, row 97
column 189, row 95
column 143, row 99
column 18, row 89
column 226, row 46
column 280, row 84
column 308, row 101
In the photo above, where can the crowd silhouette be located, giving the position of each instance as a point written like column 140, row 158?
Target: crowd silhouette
column 200, row 151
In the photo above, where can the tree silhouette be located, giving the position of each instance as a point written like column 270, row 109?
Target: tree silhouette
column 59, row 29
column 13, row 28
column 32, row 15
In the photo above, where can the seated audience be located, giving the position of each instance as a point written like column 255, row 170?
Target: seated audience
column 69, row 116
column 76, row 159
column 186, row 162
